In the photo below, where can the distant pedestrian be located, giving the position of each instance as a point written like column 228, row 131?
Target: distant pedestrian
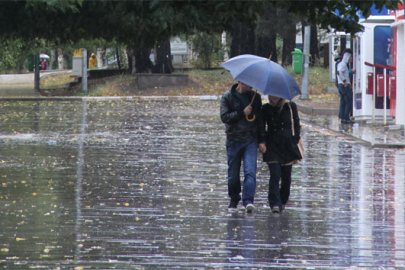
column 43, row 64
column 93, row 61
column 345, row 89
column 280, row 151
column 240, row 112
column 336, row 54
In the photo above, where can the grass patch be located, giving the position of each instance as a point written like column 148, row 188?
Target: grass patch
column 201, row 82
column 57, row 80
column 209, row 82
column 113, row 86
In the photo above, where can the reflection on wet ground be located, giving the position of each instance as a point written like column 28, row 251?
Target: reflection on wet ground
column 142, row 185
column 374, row 135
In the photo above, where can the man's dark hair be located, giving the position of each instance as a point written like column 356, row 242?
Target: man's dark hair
column 347, row 50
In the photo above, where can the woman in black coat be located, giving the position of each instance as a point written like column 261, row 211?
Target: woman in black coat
column 280, row 149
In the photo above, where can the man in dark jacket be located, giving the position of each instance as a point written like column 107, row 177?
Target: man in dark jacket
column 240, row 112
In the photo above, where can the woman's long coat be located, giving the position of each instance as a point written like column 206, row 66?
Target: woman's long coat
column 277, row 133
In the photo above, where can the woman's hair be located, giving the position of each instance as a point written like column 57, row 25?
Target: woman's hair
column 280, row 103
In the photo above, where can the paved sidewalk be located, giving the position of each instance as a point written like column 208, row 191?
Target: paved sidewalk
column 140, row 183
column 27, row 78
column 21, row 86
column 374, row 135
column 312, row 113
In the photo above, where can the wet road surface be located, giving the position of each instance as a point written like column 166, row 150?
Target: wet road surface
column 141, row 184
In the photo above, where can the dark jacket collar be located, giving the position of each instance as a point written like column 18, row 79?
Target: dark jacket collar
column 233, row 90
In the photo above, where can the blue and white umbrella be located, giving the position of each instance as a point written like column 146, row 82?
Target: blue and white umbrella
column 261, row 73
column 44, row 56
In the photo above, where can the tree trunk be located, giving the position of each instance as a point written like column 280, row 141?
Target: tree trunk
column 61, row 60
column 266, row 47
column 52, row 61
column 100, row 62
column 118, row 58
column 143, row 64
column 243, row 40
column 235, row 34
column 139, row 60
column 314, row 48
column 131, row 61
column 36, row 73
column 289, row 32
column 288, row 47
column 266, row 33
column 21, row 66
column 163, row 58
column 326, row 55
column 133, row 64
column 104, row 57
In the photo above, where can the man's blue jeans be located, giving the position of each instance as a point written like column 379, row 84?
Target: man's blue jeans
column 238, row 152
column 346, row 101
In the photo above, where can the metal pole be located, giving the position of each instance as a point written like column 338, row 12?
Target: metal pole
column 402, row 71
column 84, row 71
column 374, row 86
column 385, row 96
column 304, row 85
column 354, row 79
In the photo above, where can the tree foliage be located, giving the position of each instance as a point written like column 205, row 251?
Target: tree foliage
column 14, row 52
column 323, row 12
column 139, row 23
column 143, row 24
column 206, row 46
column 280, row 18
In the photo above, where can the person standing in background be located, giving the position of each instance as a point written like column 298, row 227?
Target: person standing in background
column 344, row 87
column 93, row 61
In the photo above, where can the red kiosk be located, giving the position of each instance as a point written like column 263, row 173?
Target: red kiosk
column 372, row 61
column 379, row 59
column 377, row 88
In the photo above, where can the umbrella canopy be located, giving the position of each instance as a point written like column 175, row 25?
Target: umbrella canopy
column 44, row 56
column 263, row 74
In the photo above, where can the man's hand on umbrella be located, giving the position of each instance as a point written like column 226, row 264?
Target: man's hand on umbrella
column 248, row 110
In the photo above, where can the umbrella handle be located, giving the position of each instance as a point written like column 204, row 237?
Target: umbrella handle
column 251, row 120
column 253, row 98
column 251, row 102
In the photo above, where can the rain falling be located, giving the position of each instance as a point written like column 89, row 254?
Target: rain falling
column 141, row 184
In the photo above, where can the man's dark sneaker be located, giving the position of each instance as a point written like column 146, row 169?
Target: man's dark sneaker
column 275, row 209
column 282, row 207
column 233, row 206
column 345, row 121
column 250, row 208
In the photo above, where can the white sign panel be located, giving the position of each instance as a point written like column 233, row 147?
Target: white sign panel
column 178, row 47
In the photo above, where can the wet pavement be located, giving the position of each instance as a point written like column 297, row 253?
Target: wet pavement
column 374, row 135
column 22, row 85
column 141, row 184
